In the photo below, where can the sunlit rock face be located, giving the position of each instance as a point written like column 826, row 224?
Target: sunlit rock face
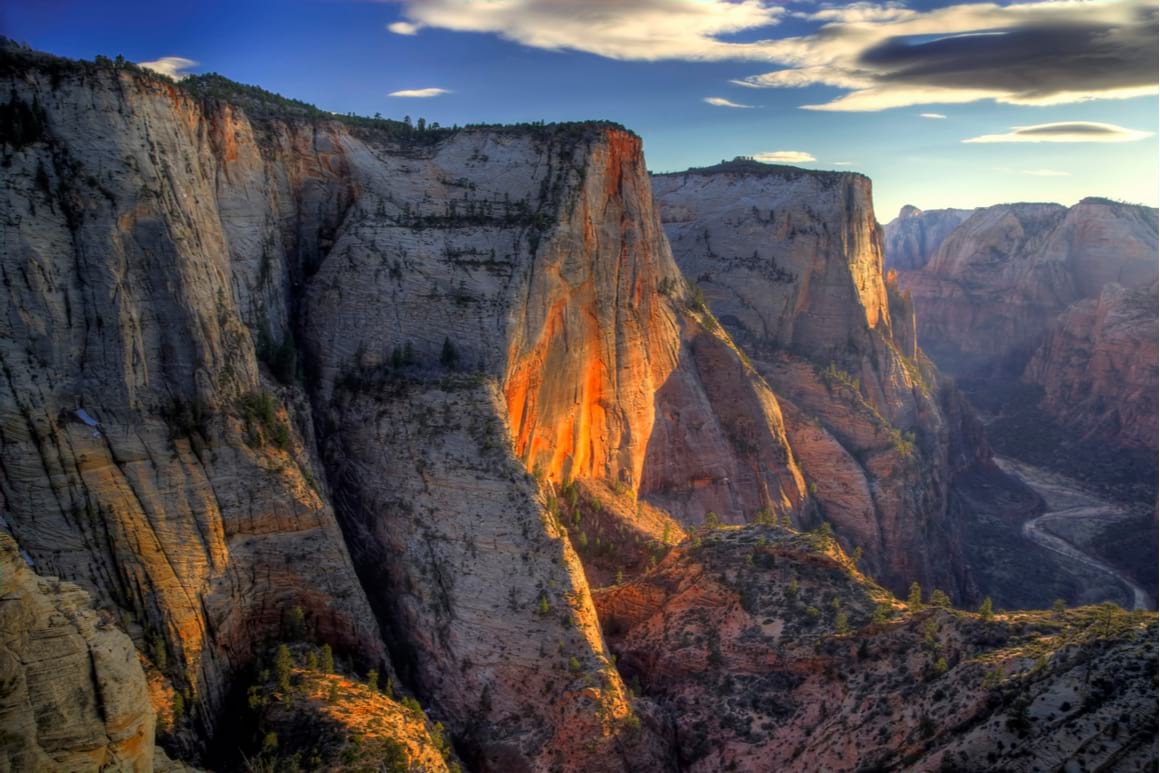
column 791, row 262
column 770, row 651
column 269, row 376
column 74, row 695
column 148, row 246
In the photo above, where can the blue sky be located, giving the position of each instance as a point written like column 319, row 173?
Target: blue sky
column 1084, row 72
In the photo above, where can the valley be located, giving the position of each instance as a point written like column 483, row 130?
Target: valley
column 341, row 443
column 1087, row 516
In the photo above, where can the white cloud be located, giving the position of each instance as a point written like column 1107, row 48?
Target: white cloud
column 1065, row 131
column 170, row 65
column 882, row 54
column 647, row 30
column 785, row 157
column 1028, row 53
column 842, row 163
column 722, row 102
column 420, row 93
column 935, row 116
column 404, row 28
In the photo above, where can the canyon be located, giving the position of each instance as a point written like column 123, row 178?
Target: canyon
column 1043, row 295
column 352, row 443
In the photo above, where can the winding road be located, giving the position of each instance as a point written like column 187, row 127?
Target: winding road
column 1066, row 499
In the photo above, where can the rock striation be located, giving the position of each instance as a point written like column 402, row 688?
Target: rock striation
column 72, row 691
column 268, row 375
column 912, row 237
column 993, row 288
column 791, row 263
column 1098, row 367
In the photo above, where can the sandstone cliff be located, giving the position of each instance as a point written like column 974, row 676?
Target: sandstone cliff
column 791, row 263
column 769, row 651
column 147, row 456
column 72, row 691
column 995, row 286
column 241, row 336
column 1098, row 367
column 912, row 237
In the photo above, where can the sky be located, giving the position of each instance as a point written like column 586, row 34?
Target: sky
column 941, row 104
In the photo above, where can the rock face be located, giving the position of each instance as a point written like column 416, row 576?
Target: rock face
column 996, row 285
column 146, row 455
column 791, row 263
column 914, row 235
column 72, row 691
column 1098, row 367
column 240, row 336
column 769, row 651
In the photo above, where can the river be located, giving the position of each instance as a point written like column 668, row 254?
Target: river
column 1066, row 498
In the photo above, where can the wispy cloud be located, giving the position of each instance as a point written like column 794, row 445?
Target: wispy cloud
column 934, row 116
column 646, row 29
column 882, row 54
column 170, row 65
column 1027, row 53
column 842, row 163
column 1065, row 131
column 404, row 28
column 420, row 93
column 785, row 157
column 722, row 102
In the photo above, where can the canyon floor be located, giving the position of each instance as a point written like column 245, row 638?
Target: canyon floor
column 1074, row 518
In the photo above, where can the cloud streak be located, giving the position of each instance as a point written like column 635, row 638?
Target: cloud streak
column 882, row 55
column 171, row 66
column 649, row 30
column 1065, row 131
column 933, row 116
column 722, row 102
column 1029, row 53
column 784, row 157
column 419, row 93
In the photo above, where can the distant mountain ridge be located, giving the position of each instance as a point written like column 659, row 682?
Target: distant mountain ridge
column 994, row 289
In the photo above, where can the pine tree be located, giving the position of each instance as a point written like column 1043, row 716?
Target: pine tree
column 986, row 610
column 914, row 600
column 449, row 357
column 327, row 659
column 282, row 667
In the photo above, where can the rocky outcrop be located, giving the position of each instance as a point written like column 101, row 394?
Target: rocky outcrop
column 996, row 285
column 72, row 691
column 791, row 263
column 242, row 336
column 148, row 455
column 769, row 651
column 1098, row 367
column 912, row 237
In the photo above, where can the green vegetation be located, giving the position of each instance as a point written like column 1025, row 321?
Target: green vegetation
column 282, row 667
column 939, row 599
column 259, row 411
column 986, row 610
column 914, row 598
